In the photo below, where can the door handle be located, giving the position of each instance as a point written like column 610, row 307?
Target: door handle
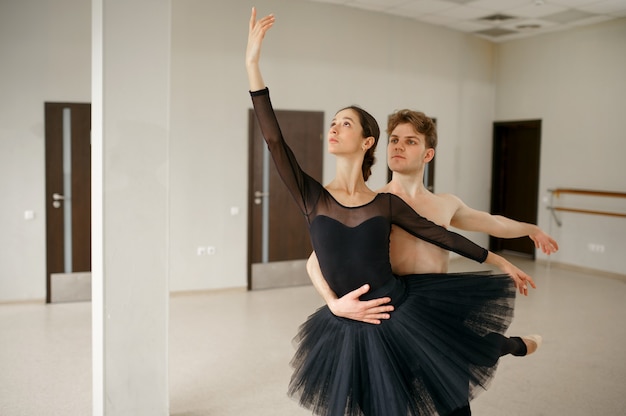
column 258, row 195
column 56, row 200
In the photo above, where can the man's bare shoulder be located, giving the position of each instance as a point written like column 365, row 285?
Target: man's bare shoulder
column 449, row 199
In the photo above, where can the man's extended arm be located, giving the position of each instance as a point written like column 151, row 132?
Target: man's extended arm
column 349, row 306
column 469, row 219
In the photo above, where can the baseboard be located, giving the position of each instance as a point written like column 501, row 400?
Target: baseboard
column 581, row 269
column 70, row 287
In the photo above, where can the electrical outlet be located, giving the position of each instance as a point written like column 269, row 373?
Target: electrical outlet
column 201, row 250
column 595, row 247
column 210, row 250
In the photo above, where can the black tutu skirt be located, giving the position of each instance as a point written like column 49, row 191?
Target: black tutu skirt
column 437, row 351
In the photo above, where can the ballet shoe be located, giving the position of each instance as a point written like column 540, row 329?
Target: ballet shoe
column 533, row 342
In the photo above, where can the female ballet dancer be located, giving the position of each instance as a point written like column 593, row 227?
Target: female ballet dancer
column 412, row 363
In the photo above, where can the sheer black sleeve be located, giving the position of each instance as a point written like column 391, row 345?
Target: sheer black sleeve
column 302, row 187
column 405, row 217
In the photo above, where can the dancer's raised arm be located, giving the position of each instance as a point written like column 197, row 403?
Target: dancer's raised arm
column 256, row 33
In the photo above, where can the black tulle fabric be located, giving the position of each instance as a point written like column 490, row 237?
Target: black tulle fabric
column 434, row 355
column 437, row 350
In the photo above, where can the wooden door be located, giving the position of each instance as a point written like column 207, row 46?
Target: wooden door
column 278, row 237
column 515, row 179
column 68, row 201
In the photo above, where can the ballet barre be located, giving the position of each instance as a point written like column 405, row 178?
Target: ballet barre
column 584, row 192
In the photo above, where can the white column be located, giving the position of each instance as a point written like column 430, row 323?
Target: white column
column 130, row 133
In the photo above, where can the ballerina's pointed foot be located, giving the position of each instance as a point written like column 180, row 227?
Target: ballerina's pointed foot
column 533, row 342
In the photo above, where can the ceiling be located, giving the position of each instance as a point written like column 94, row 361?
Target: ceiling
column 498, row 20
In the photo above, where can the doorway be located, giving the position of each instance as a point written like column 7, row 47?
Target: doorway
column 278, row 237
column 68, row 201
column 515, row 180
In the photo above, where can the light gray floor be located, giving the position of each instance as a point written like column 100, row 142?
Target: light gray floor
column 229, row 352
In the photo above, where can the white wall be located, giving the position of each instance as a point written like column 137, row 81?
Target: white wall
column 44, row 56
column 574, row 81
column 317, row 57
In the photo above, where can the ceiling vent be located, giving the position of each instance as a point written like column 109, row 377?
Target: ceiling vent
column 498, row 17
column 495, row 32
column 528, row 26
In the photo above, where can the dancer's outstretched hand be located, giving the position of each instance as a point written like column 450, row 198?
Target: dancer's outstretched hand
column 521, row 279
column 544, row 242
column 256, row 33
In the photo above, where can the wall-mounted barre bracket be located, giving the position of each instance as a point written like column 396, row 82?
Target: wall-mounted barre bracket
column 556, row 218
